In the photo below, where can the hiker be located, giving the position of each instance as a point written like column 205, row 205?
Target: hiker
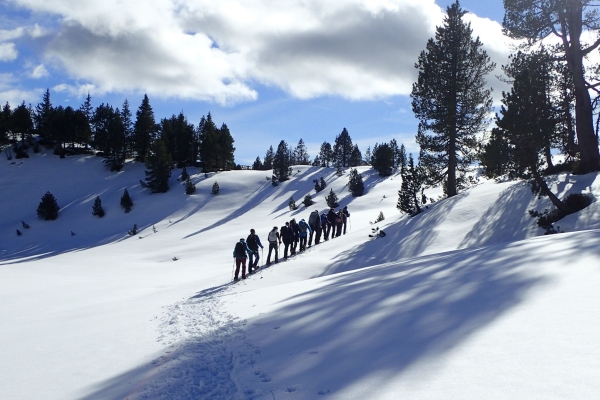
column 339, row 222
column 295, row 232
column 287, row 237
column 303, row 233
column 346, row 216
column 314, row 221
column 325, row 226
column 253, row 243
column 274, row 239
column 239, row 253
column 331, row 220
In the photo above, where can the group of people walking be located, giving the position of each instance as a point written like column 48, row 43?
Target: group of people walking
column 295, row 236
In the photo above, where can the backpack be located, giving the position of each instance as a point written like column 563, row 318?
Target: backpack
column 273, row 236
column 239, row 249
column 303, row 226
column 314, row 220
column 251, row 242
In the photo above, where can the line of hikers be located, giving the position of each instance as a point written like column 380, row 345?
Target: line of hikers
column 295, row 236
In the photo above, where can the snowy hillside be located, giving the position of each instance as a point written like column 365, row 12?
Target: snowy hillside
column 463, row 301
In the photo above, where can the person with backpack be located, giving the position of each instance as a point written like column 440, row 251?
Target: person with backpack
column 274, row 239
column 332, row 221
column 325, row 226
column 253, row 242
column 346, row 216
column 287, row 237
column 295, row 234
column 339, row 222
column 314, row 221
column 239, row 253
column 304, row 228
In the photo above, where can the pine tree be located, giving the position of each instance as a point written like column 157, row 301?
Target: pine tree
column 569, row 21
column 42, row 116
column 301, row 156
column 326, row 154
column 158, row 168
column 48, row 207
column 97, row 208
column 323, row 183
column 368, row 156
column 126, row 119
column 450, row 101
column 5, row 122
column 226, row 159
column 144, row 129
column 190, row 188
column 282, row 168
column 268, row 160
column 395, row 151
column 308, row 201
column 355, row 183
column 215, row 188
column 126, row 201
column 332, row 199
column 342, row 149
column 184, row 174
column 383, row 159
column 355, row 157
column 401, row 160
column 257, row 165
column 409, row 196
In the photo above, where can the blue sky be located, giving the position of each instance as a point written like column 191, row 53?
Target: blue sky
column 271, row 71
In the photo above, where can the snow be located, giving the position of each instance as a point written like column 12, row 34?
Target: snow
column 468, row 300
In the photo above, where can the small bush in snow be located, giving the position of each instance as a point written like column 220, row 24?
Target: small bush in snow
column 97, row 208
column 215, row 188
column 380, row 217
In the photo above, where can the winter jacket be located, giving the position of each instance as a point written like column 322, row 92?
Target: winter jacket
column 287, row 235
column 331, row 217
column 253, row 242
column 295, row 229
column 303, row 228
column 314, row 221
column 323, row 220
column 240, row 251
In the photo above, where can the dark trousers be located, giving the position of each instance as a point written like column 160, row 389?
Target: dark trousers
column 338, row 231
column 345, row 227
column 302, row 243
column 240, row 262
column 286, row 246
column 332, row 230
column 318, row 232
column 252, row 255
column 273, row 246
column 326, row 230
column 310, row 237
column 294, row 245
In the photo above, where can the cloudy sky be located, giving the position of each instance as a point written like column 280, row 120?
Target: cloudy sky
column 271, row 70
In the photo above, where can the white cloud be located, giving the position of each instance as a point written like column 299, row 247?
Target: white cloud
column 39, row 71
column 8, row 52
column 217, row 50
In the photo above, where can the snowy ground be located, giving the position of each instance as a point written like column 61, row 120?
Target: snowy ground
column 464, row 301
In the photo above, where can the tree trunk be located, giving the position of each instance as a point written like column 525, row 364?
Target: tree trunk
column 584, row 120
column 555, row 200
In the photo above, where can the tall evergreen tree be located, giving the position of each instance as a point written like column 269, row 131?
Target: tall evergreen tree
column 126, row 119
column 257, row 165
column 368, row 156
column 569, row 20
column 355, row 157
column 527, row 119
column 450, row 100
column 326, row 154
column 87, row 109
column 5, row 122
column 48, row 207
column 145, row 129
column 43, row 113
column 209, row 143
column 282, row 169
column 409, row 195
column 355, row 183
column 179, row 135
column 342, row 149
column 301, row 156
column 22, row 121
column 401, row 160
column 383, row 159
column 226, row 160
column 395, row 151
column 158, row 168
column 268, row 160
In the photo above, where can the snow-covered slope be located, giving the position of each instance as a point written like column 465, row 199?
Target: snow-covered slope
column 462, row 301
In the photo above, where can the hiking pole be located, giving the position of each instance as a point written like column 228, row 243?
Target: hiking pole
column 233, row 270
